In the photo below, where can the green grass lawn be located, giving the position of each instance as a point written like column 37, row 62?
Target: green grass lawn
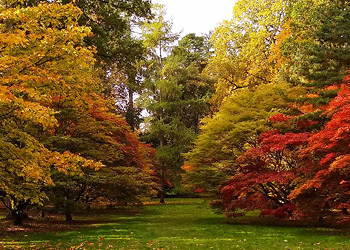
column 182, row 224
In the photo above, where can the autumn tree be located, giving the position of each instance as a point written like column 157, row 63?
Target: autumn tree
column 41, row 56
column 103, row 136
column 326, row 163
column 111, row 22
column 229, row 132
column 308, row 53
column 115, row 25
column 315, row 52
column 266, row 175
column 242, row 46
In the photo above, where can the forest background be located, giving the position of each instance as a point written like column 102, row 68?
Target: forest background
column 254, row 114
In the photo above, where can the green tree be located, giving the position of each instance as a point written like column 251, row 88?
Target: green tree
column 178, row 95
column 115, row 24
column 232, row 130
column 316, row 48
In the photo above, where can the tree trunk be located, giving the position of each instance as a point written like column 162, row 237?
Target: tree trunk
column 67, row 213
column 162, row 196
column 68, row 216
column 9, row 214
column 162, row 191
column 131, row 111
column 320, row 219
column 16, row 210
column 17, row 218
column 345, row 211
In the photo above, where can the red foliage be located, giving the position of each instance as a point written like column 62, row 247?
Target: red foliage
column 305, row 124
column 284, row 122
column 267, row 175
column 303, row 173
column 199, row 190
column 327, row 159
column 168, row 183
column 280, row 142
column 281, row 212
column 279, row 118
column 328, row 153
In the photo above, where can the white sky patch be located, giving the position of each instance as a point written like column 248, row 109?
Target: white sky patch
column 197, row 16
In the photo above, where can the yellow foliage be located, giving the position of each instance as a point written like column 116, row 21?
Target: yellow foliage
column 243, row 46
column 42, row 55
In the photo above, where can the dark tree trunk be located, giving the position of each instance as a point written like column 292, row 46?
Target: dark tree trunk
column 320, row 219
column 130, row 113
column 16, row 211
column 68, row 216
column 345, row 211
column 162, row 191
column 162, row 196
column 9, row 214
column 67, row 213
column 17, row 217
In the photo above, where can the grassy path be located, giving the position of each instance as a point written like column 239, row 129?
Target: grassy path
column 184, row 224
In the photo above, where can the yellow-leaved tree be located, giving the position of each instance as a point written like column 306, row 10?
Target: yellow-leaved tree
column 242, row 46
column 42, row 56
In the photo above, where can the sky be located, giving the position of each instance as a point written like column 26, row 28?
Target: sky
column 197, row 16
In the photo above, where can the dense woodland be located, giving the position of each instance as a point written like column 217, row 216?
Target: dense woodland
column 101, row 103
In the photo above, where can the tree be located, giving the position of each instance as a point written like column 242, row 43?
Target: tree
column 111, row 22
column 157, row 36
column 316, row 48
column 98, row 134
column 315, row 52
column 40, row 57
column 241, row 59
column 242, row 46
column 177, row 93
column 326, row 163
column 115, row 25
column 266, row 175
column 227, row 134
column 119, row 49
